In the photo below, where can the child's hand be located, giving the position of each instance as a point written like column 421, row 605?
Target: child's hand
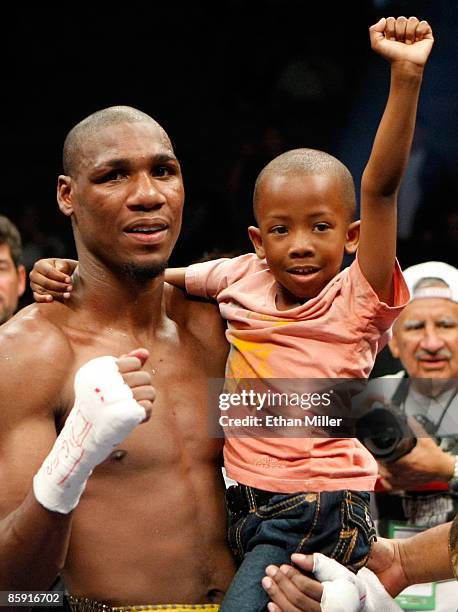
column 50, row 278
column 402, row 40
column 176, row 276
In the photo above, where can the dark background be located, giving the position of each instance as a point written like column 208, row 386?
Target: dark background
column 234, row 83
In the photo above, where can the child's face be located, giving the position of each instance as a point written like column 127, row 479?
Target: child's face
column 304, row 230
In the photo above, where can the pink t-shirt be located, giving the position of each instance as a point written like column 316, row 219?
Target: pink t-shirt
column 336, row 334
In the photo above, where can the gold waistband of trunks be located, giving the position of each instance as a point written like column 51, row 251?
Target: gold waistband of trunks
column 82, row 604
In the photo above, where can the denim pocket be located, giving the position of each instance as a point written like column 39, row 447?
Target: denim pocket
column 357, row 533
column 282, row 521
column 292, row 505
column 288, row 521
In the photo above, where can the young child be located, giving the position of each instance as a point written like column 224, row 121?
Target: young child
column 292, row 313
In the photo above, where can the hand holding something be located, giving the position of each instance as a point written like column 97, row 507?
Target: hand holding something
column 290, row 590
column 340, row 590
column 425, row 463
column 386, row 562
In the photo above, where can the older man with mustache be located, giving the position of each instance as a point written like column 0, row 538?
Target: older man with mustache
column 425, row 339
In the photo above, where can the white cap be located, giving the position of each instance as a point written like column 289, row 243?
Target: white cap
column 432, row 269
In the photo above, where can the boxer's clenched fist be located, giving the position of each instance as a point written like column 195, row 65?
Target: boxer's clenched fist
column 112, row 397
column 138, row 380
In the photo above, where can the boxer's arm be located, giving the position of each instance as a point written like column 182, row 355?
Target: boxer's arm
column 33, row 540
column 36, row 524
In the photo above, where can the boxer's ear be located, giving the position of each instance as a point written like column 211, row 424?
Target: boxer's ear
column 64, row 194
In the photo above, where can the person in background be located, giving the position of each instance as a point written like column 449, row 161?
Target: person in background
column 421, row 488
column 12, row 272
column 425, row 340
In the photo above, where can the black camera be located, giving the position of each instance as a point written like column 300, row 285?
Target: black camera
column 384, row 431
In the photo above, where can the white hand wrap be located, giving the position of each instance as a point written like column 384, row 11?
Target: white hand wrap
column 346, row 592
column 104, row 413
column 341, row 592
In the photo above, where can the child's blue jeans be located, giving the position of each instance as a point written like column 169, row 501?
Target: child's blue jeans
column 265, row 528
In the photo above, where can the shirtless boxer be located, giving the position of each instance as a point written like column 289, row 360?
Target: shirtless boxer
column 150, row 526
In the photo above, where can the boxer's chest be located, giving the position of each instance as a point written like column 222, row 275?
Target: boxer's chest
column 181, row 371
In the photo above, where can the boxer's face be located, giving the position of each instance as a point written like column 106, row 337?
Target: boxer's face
column 127, row 198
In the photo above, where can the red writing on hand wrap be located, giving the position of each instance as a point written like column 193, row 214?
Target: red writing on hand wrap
column 71, row 445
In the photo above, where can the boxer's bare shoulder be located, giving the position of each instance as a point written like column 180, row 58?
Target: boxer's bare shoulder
column 201, row 318
column 37, row 326
column 36, row 356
